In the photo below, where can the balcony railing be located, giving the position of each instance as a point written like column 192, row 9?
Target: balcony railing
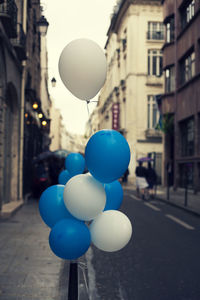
column 8, row 16
column 19, row 43
column 155, row 35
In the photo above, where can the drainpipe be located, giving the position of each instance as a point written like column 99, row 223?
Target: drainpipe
column 21, row 134
column 175, row 95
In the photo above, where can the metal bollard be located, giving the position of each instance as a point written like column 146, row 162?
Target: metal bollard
column 73, row 281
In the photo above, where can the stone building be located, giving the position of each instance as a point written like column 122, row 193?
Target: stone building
column 134, row 57
column 19, row 90
column 181, row 100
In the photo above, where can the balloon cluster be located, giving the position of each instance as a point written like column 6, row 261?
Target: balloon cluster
column 84, row 210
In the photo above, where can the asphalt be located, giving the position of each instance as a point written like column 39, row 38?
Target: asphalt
column 28, row 268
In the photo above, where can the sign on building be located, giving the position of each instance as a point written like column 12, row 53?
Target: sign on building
column 115, row 116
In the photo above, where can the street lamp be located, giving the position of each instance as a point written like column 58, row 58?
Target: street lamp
column 53, row 82
column 44, row 123
column 35, row 105
column 42, row 25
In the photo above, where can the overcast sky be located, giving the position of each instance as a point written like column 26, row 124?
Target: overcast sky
column 70, row 20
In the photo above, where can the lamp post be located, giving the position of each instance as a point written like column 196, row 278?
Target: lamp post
column 42, row 25
column 53, row 82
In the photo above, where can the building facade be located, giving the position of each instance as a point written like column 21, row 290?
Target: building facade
column 181, row 100
column 12, row 52
column 20, row 82
column 134, row 57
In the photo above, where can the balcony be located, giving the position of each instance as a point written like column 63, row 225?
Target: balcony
column 154, row 81
column 154, row 134
column 8, row 16
column 155, row 35
column 19, row 43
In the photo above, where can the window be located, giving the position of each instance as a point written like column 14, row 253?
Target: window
column 152, row 112
column 155, row 31
column 186, row 172
column 187, row 13
column 170, row 79
column 155, row 61
column 169, row 30
column 187, row 137
column 187, row 68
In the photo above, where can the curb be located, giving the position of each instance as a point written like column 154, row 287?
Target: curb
column 197, row 214
column 8, row 210
column 179, row 206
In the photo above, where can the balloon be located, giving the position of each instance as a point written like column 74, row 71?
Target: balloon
column 82, row 67
column 51, row 205
column 75, row 163
column 84, row 197
column 107, row 155
column 111, row 230
column 114, row 195
column 69, row 239
column 63, row 177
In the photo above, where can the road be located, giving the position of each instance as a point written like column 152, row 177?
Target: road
column 161, row 262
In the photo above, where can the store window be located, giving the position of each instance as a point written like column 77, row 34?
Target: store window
column 186, row 172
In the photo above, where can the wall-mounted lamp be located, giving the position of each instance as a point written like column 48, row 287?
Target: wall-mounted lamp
column 42, row 25
column 53, row 82
column 35, row 105
column 40, row 115
column 44, row 123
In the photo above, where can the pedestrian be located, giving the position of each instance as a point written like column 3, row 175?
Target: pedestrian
column 151, row 180
column 125, row 176
column 141, row 182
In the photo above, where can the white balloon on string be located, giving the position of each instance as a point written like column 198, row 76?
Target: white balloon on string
column 111, row 230
column 83, row 67
column 84, row 197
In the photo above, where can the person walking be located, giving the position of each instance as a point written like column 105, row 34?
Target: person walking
column 151, row 180
column 141, row 182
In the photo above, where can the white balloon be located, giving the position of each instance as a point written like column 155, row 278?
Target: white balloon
column 84, row 197
column 82, row 67
column 111, row 230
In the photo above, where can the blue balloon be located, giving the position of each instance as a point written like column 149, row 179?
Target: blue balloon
column 63, row 177
column 107, row 155
column 69, row 239
column 51, row 205
column 75, row 163
column 114, row 195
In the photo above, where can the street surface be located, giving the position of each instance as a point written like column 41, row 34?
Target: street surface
column 161, row 262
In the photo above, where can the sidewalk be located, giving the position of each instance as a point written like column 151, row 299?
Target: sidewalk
column 28, row 268
column 187, row 201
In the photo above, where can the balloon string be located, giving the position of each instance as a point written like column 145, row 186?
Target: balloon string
column 88, row 108
column 88, row 102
